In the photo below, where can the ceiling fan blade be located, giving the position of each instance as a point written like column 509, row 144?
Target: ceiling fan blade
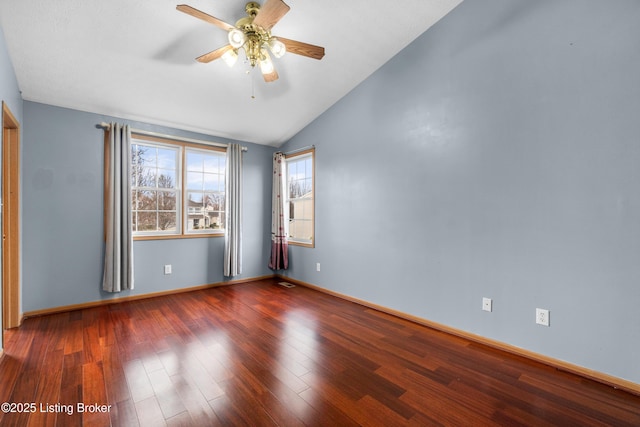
column 271, row 77
column 204, row 16
column 214, row 54
column 304, row 49
column 270, row 13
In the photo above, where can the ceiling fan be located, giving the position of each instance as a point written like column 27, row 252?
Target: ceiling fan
column 253, row 34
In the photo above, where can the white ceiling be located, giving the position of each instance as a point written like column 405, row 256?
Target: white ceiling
column 135, row 60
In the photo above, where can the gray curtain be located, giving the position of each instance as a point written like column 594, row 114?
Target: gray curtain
column 233, row 212
column 118, row 256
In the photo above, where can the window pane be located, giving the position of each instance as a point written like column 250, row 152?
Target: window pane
column 308, row 170
column 146, row 155
column 166, row 178
column 215, row 222
column 196, row 217
column 205, row 211
column 293, row 189
column 302, row 209
column 146, row 177
column 301, row 203
column 212, row 182
column 167, row 201
column 166, row 158
column 215, row 201
column 195, row 199
column 135, row 172
column 146, row 200
column 134, row 200
column 212, row 164
column 135, row 153
column 167, row 221
column 195, row 161
column 147, row 221
column 308, row 186
column 293, row 230
column 195, row 181
column 221, row 220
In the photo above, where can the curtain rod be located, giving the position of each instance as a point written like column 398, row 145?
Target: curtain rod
column 297, row 150
column 107, row 126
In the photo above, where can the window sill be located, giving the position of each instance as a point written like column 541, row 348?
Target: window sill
column 178, row 236
column 303, row 244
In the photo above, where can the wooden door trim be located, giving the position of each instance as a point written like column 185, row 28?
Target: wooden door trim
column 10, row 224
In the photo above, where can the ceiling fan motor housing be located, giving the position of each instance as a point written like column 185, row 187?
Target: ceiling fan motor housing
column 252, row 8
column 256, row 37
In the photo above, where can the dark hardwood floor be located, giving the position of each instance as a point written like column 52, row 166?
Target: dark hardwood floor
column 258, row 354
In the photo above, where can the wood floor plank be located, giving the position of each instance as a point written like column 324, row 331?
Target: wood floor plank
column 138, row 380
column 47, row 398
column 10, row 368
column 73, row 337
column 114, row 375
column 168, row 398
column 71, row 386
column 327, row 408
column 262, row 355
column 124, row 414
column 265, row 406
column 149, row 412
column 95, row 406
column 91, row 344
column 197, row 407
column 24, row 391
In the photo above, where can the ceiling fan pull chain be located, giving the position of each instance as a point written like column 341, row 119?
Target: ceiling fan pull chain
column 253, row 85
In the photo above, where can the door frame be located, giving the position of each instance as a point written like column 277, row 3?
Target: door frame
column 11, row 316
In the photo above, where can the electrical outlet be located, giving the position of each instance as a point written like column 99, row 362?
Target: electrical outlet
column 317, row 266
column 487, row 304
column 542, row 316
column 167, row 269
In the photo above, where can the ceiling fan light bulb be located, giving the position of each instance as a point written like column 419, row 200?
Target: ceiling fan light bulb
column 266, row 66
column 236, row 38
column 277, row 48
column 230, row 57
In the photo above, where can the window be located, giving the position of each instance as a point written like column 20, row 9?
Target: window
column 177, row 189
column 154, row 188
column 300, row 183
column 205, row 190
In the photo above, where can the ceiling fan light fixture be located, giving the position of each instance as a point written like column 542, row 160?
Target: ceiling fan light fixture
column 236, row 38
column 277, row 47
column 230, row 57
column 266, row 65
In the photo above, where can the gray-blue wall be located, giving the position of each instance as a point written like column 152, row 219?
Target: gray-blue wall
column 63, row 222
column 496, row 156
column 10, row 94
column 9, row 90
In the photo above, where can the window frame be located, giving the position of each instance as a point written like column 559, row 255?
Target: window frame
column 203, row 192
column 307, row 153
column 176, row 188
column 182, row 231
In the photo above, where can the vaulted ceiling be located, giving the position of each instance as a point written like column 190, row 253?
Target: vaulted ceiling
column 136, row 60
